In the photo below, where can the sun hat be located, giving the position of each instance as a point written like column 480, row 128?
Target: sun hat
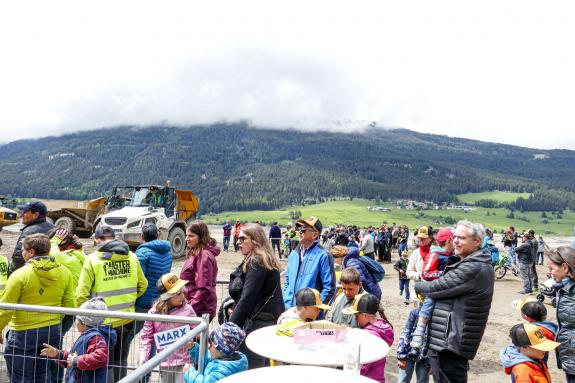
column 169, row 285
column 93, row 304
column 309, row 297
column 227, row 338
column 363, row 303
column 424, row 232
column 339, row 251
column 530, row 335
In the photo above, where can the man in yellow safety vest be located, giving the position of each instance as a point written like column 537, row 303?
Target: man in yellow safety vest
column 113, row 272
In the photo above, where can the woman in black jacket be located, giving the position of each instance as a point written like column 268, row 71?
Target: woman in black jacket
column 255, row 287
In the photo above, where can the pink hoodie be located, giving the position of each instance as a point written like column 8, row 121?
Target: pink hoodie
column 178, row 358
column 376, row 370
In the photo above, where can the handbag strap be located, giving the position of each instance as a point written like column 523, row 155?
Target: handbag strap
column 263, row 305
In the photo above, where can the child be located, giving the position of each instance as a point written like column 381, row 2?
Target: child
column 88, row 359
column 535, row 312
column 350, row 282
column 524, row 361
column 171, row 302
column 433, row 265
column 401, row 267
column 307, row 309
column 407, row 362
column 223, row 358
column 364, row 307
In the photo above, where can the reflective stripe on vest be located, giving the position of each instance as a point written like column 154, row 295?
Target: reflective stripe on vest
column 116, row 280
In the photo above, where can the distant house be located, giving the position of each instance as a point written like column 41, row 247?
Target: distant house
column 378, row 208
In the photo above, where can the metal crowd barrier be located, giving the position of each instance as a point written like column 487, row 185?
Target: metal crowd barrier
column 137, row 372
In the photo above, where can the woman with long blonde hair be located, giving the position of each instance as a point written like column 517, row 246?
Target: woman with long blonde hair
column 255, row 287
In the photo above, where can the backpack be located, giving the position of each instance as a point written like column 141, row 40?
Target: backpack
column 375, row 269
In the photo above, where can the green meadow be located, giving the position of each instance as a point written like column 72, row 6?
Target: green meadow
column 355, row 212
column 499, row 196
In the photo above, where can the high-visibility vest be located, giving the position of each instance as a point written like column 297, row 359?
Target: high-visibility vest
column 116, row 280
column 3, row 274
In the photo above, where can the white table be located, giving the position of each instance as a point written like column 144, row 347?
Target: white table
column 265, row 342
column 291, row 374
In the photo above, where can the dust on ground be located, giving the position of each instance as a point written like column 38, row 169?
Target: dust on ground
column 486, row 365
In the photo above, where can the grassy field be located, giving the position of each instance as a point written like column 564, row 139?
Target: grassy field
column 494, row 195
column 355, row 213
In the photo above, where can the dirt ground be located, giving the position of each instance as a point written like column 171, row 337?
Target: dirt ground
column 485, row 367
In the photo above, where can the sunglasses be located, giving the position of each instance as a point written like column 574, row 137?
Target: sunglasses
column 242, row 238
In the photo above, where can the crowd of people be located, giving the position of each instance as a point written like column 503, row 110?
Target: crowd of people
column 329, row 274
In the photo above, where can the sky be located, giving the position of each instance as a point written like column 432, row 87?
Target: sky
column 498, row 71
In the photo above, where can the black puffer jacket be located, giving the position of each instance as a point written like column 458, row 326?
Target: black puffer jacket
column 463, row 298
column 38, row 226
column 566, row 333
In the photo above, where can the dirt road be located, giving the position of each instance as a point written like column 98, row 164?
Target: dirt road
column 486, row 366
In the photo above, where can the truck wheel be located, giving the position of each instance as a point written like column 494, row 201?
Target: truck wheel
column 177, row 239
column 66, row 223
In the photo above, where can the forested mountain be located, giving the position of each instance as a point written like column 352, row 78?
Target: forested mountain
column 238, row 167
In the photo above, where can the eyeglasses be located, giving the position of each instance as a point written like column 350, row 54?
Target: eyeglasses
column 242, row 238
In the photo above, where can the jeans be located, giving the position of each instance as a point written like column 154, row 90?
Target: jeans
column 118, row 357
column 534, row 277
column 421, row 372
column 22, row 352
column 226, row 243
column 402, row 247
column 426, row 308
column 511, row 257
column 404, row 284
column 448, row 367
column 525, row 270
column 570, row 378
column 539, row 258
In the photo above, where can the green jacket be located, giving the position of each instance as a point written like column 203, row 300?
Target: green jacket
column 71, row 259
column 41, row 281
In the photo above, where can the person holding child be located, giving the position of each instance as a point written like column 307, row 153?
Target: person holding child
column 87, row 360
column 365, row 307
column 525, row 359
column 223, row 357
column 172, row 301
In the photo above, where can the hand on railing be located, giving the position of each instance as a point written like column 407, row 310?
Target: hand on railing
column 49, row 351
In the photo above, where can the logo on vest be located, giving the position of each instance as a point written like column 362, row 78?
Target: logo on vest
column 4, row 268
column 116, row 270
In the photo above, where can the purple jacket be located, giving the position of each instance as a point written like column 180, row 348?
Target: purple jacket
column 201, row 272
column 376, row 370
column 178, row 358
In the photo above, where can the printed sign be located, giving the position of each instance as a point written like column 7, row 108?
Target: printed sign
column 166, row 338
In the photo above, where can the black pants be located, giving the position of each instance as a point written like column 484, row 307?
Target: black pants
column 448, row 367
column 118, row 358
column 535, row 278
column 276, row 245
column 255, row 360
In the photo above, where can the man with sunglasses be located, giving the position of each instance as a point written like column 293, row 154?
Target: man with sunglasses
column 309, row 265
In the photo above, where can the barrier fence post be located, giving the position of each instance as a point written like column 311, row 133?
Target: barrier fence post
column 203, row 344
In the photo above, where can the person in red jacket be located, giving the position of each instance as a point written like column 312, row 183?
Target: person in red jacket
column 88, row 359
column 524, row 360
column 237, row 229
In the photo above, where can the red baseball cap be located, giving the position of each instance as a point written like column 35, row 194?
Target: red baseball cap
column 444, row 234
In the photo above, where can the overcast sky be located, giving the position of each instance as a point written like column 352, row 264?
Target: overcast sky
column 500, row 71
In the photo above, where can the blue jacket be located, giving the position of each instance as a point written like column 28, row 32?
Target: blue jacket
column 156, row 260
column 216, row 369
column 100, row 375
column 367, row 280
column 316, row 271
column 275, row 232
column 403, row 348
